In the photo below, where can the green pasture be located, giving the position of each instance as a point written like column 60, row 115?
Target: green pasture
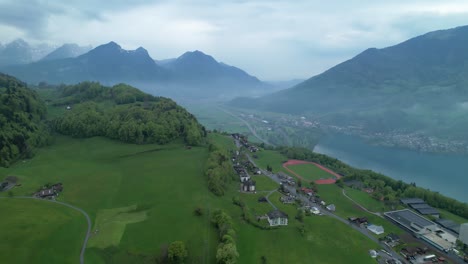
column 310, row 172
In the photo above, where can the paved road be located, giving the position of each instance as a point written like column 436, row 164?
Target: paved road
column 248, row 126
column 88, row 233
column 268, row 199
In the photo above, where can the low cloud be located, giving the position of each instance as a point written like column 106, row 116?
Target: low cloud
column 270, row 39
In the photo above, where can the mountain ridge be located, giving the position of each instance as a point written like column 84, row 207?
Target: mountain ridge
column 397, row 87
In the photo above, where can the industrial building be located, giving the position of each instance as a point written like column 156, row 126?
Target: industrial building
column 464, row 233
column 423, row 228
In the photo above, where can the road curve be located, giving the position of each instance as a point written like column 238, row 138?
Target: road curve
column 88, row 233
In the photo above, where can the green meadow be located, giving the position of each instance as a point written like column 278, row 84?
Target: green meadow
column 310, row 172
column 141, row 198
column 35, row 231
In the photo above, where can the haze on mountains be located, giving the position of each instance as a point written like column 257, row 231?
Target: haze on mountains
column 420, row 85
column 192, row 75
column 20, row 52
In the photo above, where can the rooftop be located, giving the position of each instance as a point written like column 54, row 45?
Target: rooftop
column 427, row 211
column 412, row 201
column 277, row 214
column 420, row 206
column 406, row 218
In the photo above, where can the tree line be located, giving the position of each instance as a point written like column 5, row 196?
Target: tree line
column 385, row 188
column 218, row 169
column 227, row 249
column 22, row 115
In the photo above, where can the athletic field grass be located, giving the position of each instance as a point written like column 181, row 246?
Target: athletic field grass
column 167, row 183
column 310, row 172
column 39, row 232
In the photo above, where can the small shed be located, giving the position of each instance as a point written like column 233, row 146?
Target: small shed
column 378, row 230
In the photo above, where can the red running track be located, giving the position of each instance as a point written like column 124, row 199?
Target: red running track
column 321, row 181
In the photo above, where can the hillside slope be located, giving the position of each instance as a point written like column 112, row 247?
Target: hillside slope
column 399, row 87
column 123, row 113
column 21, row 120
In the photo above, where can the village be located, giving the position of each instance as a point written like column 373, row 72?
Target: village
column 440, row 237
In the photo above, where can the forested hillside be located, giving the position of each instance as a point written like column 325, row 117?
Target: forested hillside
column 21, row 120
column 124, row 113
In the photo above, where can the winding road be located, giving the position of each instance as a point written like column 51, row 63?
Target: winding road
column 88, row 233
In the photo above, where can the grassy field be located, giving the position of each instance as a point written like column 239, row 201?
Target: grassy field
column 326, row 240
column 40, row 232
column 143, row 197
column 100, row 174
column 264, row 183
column 345, row 208
column 271, row 158
column 110, row 225
column 310, row 172
column 366, row 200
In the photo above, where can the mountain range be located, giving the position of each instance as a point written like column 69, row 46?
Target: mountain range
column 418, row 85
column 20, row 52
column 192, row 75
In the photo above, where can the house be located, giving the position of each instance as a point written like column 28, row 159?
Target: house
column 248, row 186
column 358, row 220
column 58, row 187
column 244, row 177
column 392, row 238
column 315, row 210
column 277, row 218
column 331, row 207
column 45, row 193
column 287, row 199
column 307, row 191
column 378, row 230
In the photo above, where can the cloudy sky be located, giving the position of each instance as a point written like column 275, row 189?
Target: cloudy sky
column 274, row 40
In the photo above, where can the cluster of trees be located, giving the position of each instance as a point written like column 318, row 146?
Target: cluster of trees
column 218, row 170
column 177, row 252
column 227, row 249
column 124, row 113
column 86, row 91
column 21, row 121
column 385, row 188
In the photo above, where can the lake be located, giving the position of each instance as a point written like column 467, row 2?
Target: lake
column 445, row 173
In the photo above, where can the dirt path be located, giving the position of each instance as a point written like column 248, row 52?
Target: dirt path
column 88, row 233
